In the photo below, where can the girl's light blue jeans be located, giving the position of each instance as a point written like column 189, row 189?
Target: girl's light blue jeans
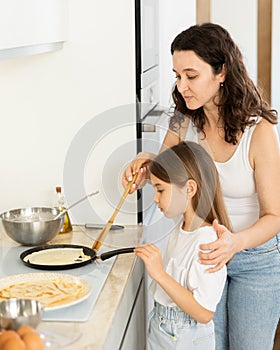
column 247, row 315
column 171, row 328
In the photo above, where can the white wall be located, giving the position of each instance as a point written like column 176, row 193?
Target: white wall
column 175, row 16
column 244, row 32
column 239, row 17
column 47, row 98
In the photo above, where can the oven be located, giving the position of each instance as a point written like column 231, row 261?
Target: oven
column 147, row 56
column 147, row 81
column 147, row 34
column 152, row 124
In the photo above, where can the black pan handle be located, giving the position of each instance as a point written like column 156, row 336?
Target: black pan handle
column 112, row 253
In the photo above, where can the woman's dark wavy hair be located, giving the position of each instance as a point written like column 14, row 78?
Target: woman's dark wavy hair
column 239, row 98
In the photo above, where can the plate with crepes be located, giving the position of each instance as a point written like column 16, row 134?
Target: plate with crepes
column 53, row 290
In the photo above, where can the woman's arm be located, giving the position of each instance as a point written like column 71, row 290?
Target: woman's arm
column 264, row 157
column 182, row 297
column 171, row 139
column 141, row 162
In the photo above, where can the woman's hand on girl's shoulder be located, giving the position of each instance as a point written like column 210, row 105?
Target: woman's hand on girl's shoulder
column 220, row 251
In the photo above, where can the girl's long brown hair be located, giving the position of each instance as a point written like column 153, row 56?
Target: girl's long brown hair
column 188, row 160
column 239, row 98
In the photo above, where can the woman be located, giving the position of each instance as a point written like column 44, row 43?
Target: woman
column 218, row 106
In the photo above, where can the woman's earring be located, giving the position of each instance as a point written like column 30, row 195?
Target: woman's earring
column 221, row 84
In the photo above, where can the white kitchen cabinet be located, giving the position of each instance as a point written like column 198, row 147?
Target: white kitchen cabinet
column 134, row 337
column 32, row 26
column 50, row 97
column 127, row 331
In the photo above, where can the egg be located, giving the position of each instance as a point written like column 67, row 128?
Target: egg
column 33, row 341
column 25, row 329
column 13, row 343
column 6, row 335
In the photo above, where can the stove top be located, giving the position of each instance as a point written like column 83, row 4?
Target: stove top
column 96, row 273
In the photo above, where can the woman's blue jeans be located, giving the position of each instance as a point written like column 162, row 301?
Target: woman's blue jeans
column 247, row 315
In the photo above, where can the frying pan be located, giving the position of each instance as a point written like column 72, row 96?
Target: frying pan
column 77, row 262
column 82, row 251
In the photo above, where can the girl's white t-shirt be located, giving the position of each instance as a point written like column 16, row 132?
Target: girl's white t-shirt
column 181, row 262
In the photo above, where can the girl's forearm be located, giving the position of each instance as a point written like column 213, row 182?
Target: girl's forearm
column 184, row 298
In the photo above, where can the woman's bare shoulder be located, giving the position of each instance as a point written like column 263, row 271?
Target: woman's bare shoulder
column 264, row 130
column 264, row 123
column 265, row 137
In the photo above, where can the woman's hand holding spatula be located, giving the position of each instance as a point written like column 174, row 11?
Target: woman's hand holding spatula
column 100, row 239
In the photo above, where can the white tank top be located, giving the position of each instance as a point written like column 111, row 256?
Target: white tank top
column 237, row 181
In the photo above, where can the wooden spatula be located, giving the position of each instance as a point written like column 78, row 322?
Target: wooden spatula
column 100, row 239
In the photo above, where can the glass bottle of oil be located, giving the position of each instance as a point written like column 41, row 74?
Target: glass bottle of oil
column 60, row 203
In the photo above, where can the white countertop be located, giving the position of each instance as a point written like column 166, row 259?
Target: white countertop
column 101, row 327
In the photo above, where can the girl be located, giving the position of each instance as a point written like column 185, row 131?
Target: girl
column 186, row 183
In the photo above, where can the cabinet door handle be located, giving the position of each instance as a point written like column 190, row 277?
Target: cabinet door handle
column 149, row 127
column 151, row 99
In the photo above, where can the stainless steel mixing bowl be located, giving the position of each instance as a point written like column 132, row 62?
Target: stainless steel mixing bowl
column 15, row 313
column 32, row 226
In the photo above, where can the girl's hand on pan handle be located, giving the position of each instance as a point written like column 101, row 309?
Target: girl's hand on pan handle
column 152, row 258
column 139, row 164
